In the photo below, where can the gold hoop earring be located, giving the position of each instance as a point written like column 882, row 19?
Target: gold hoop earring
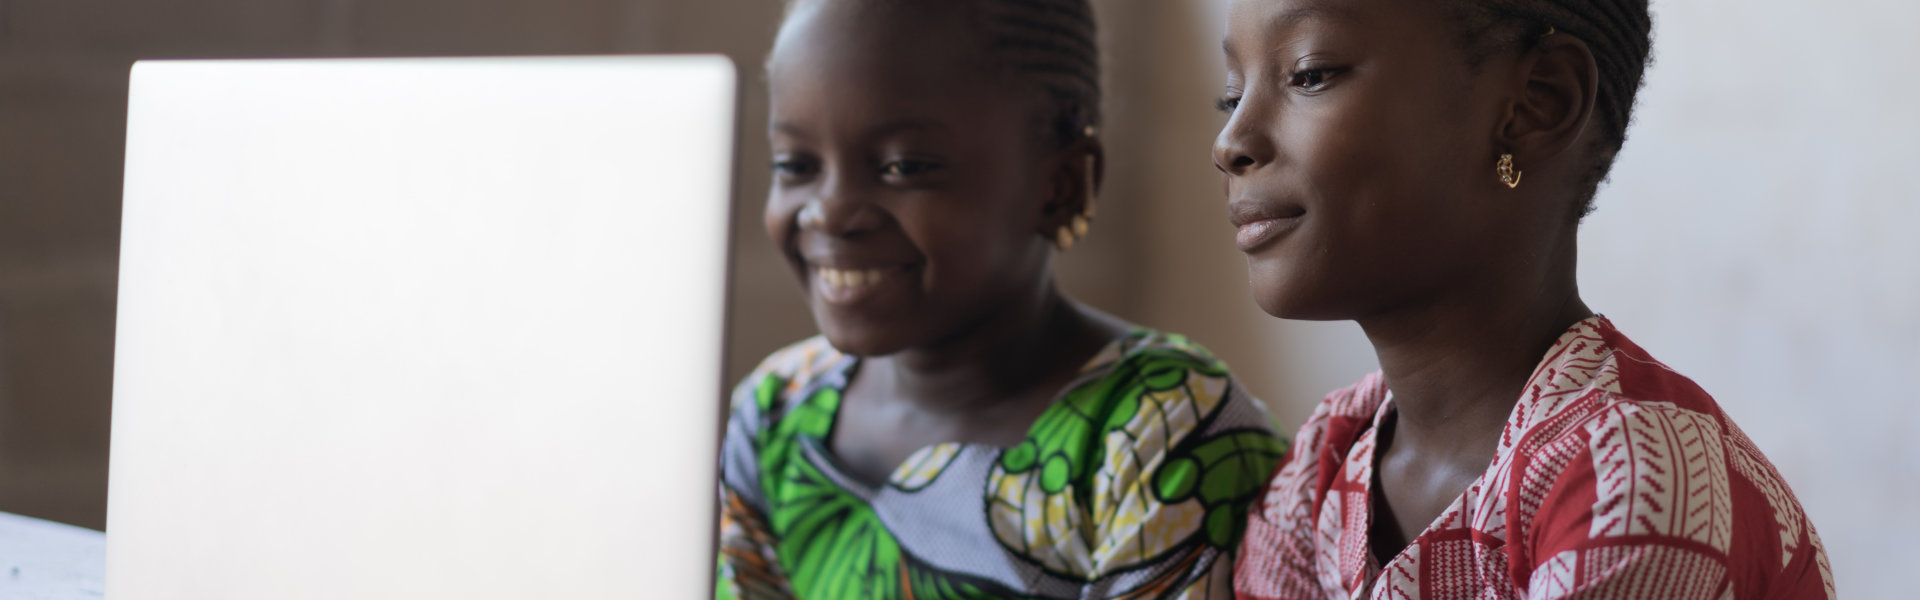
column 1067, row 235
column 1093, row 187
column 1507, row 173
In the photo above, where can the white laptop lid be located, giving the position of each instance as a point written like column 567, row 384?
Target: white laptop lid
column 421, row 328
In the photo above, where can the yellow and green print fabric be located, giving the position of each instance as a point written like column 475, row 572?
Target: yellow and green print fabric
column 1135, row 483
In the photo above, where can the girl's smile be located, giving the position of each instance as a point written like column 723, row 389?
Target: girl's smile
column 853, row 286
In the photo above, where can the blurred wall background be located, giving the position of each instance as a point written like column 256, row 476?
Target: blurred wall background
column 1759, row 236
column 1755, row 235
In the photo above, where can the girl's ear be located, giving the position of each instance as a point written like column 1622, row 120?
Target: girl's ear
column 1077, row 171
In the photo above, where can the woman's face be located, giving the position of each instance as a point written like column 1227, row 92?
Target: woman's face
column 1358, row 155
column 910, row 186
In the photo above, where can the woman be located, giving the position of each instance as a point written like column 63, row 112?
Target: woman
column 1422, row 168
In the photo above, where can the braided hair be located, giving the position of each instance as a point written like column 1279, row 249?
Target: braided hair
column 1048, row 46
column 1618, row 32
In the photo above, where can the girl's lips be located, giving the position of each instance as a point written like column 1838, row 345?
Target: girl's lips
column 851, row 285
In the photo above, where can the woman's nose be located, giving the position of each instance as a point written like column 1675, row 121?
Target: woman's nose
column 1242, row 147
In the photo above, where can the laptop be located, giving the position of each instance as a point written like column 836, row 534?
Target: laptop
column 421, row 328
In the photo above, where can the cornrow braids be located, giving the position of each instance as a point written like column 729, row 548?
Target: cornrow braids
column 1051, row 46
column 1618, row 32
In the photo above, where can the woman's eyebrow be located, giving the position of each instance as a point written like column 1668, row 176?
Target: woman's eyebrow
column 1313, row 11
column 1293, row 17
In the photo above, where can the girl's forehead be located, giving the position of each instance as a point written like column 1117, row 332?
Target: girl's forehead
column 880, row 26
column 831, row 52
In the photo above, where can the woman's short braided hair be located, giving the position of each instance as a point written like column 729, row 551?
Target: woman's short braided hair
column 1618, row 32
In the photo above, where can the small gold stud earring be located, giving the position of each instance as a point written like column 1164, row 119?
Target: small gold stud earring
column 1506, row 171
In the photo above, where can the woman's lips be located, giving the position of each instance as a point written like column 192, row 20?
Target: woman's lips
column 1258, row 234
column 1259, row 224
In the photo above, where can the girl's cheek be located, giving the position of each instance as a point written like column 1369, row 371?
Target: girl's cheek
column 779, row 216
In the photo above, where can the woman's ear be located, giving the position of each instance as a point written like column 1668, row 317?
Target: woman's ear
column 1077, row 171
column 1558, row 84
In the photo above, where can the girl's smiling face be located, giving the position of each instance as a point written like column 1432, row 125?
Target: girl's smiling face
column 1359, row 156
column 912, row 185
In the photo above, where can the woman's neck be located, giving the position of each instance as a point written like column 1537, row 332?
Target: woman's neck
column 1458, row 365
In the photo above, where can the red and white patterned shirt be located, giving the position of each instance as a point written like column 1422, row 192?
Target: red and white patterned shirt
column 1615, row 478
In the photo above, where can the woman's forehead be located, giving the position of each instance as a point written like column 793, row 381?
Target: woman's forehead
column 1259, row 27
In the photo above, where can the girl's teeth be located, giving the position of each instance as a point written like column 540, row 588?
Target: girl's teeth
column 850, row 278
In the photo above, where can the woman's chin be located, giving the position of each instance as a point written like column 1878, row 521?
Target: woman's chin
column 1291, row 298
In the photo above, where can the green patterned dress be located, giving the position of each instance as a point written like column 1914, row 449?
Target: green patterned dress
column 1135, row 483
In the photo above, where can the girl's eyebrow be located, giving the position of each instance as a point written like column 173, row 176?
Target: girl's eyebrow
column 878, row 131
column 787, row 128
column 906, row 125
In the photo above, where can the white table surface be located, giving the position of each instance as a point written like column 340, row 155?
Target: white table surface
column 43, row 560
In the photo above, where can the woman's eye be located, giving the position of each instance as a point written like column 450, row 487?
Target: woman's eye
column 1227, row 104
column 907, row 168
column 1312, row 80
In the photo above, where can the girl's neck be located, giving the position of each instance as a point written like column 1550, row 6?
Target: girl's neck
column 1003, row 355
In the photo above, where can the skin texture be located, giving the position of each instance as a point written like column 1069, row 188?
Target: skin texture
column 900, row 148
column 1359, row 164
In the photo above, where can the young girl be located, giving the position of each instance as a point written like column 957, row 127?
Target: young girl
column 1422, row 168
column 962, row 429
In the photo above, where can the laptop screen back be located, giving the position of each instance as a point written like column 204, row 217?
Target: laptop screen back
column 421, row 328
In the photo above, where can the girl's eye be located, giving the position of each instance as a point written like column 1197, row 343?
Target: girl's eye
column 1227, row 104
column 1313, row 80
column 908, row 168
column 792, row 167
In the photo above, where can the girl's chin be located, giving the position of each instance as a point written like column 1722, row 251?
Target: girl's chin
column 861, row 341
